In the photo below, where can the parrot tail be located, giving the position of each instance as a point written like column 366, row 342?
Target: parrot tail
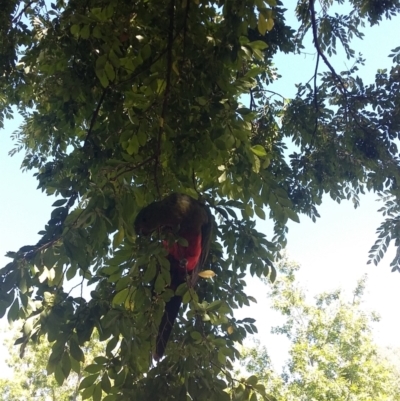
column 178, row 275
column 167, row 322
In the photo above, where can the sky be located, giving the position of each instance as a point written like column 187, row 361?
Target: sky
column 332, row 252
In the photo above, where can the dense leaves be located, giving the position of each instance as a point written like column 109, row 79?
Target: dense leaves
column 27, row 379
column 125, row 102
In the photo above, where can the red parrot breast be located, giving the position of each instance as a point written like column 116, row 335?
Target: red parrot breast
column 191, row 253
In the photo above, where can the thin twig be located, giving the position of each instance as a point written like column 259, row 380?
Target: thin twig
column 270, row 91
column 16, row 18
column 315, row 83
column 133, row 167
column 167, row 90
column 185, row 30
column 252, row 102
column 94, row 117
column 342, row 87
column 315, row 101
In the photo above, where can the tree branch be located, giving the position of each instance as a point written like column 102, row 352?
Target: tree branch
column 94, row 117
column 133, row 168
column 171, row 13
column 17, row 17
column 342, row 87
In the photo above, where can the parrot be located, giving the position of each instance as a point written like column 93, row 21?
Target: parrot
column 192, row 220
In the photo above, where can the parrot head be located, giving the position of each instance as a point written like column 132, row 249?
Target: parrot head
column 174, row 211
column 161, row 214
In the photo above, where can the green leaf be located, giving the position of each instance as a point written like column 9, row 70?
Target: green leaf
column 159, row 284
column 146, row 52
column 202, row 101
column 97, row 392
column 59, row 202
column 111, row 345
column 183, row 242
column 187, row 297
column 109, row 69
column 75, row 365
column 196, row 335
column 123, row 282
column 259, row 212
column 87, row 393
column 133, row 145
column 71, row 272
column 118, row 237
column 258, row 44
column 3, row 308
column 96, row 33
column 292, row 215
column 120, row 379
column 262, row 24
column 221, row 358
column 259, row 150
column 114, row 59
column 254, row 396
column 76, row 351
column 120, row 297
column 108, row 11
column 214, row 306
column 88, row 381
column 105, row 383
column 85, row 32
column 243, row 111
column 150, row 272
column 27, row 327
column 252, row 380
column 273, row 274
column 59, row 375
column 182, row 289
column 110, row 397
column 94, row 368
column 13, row 312
column 75, row 29
column 101, row 74
column 66, row 364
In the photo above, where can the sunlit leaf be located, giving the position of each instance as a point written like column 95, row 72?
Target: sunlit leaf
column 206, row 274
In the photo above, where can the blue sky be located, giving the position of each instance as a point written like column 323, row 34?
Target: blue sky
column 333, row 252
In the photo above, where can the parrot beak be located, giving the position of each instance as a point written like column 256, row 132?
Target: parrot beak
column 142, row 231
column 183, row 263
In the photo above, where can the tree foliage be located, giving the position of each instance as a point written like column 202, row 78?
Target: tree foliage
column 28, row 379
column 124, row 102
column 332, row 355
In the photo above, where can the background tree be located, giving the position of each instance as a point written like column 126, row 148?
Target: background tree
column 29, row 380
column 392, row 356
column 125, row 102
column 255, row 360
column 332, row 354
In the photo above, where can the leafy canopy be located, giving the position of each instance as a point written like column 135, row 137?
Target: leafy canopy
column 124, row 102
column 332, row 354
column 28, row 380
